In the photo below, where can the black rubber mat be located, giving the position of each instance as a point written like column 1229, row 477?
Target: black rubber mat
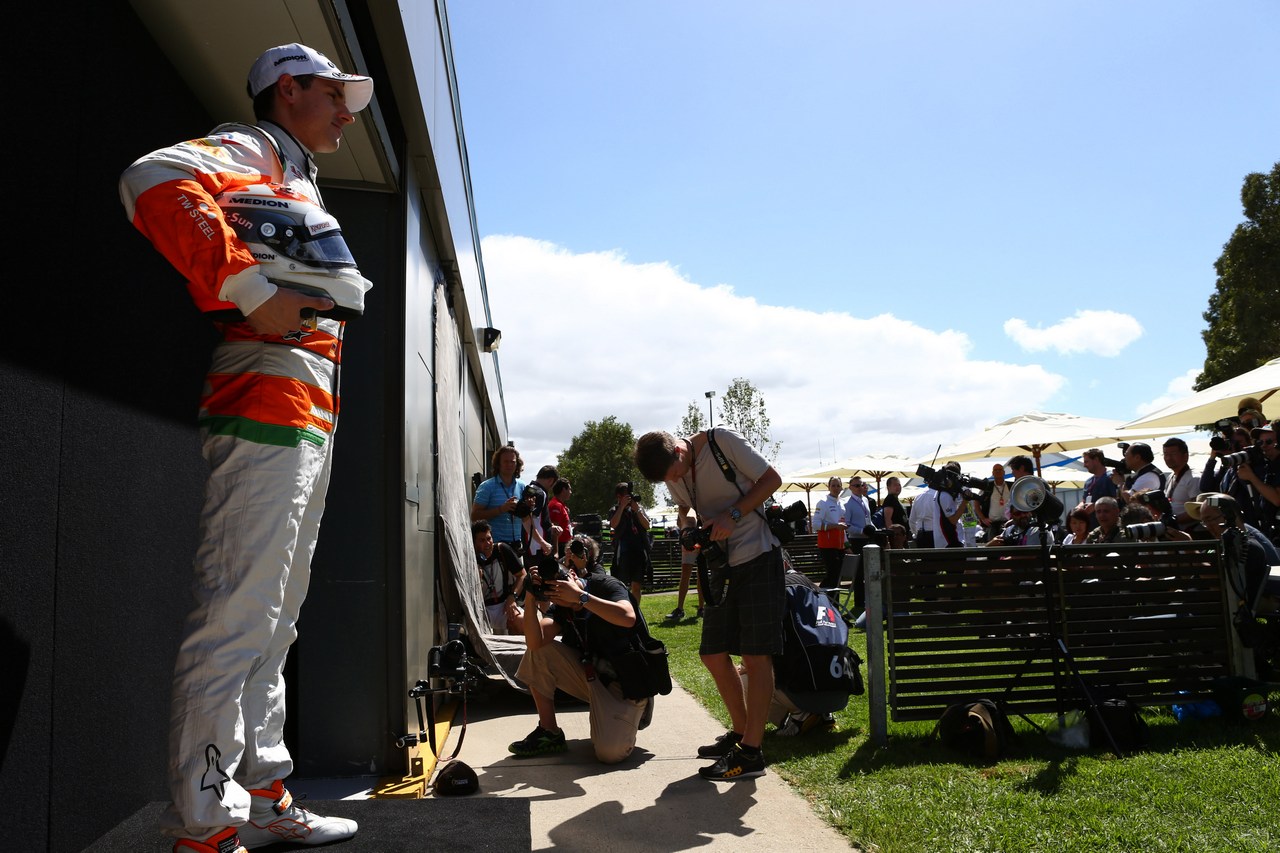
column 472, row 822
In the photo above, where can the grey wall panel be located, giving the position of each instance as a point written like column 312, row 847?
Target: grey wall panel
column 30, row 419
column 102, row 374
column 340, row 661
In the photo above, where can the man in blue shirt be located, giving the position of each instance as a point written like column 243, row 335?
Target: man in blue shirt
column 497, row 497
column 857, row 515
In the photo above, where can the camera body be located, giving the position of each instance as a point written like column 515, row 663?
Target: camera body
column 1223, row 431
column 1119, row 465
column 452, row 662
column 546, row 570
column 539, row 497
column 699, row 539
column 782, row 521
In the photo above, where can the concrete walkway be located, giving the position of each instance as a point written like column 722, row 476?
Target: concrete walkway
column 654, row 800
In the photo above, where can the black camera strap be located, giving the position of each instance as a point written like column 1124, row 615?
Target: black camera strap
column 727, row 469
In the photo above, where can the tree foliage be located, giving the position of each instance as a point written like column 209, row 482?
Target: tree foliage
column 1244, row 311
column 692, row 422
column 598, row 458
column 742, row 408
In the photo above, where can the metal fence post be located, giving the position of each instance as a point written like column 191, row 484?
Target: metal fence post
column 877, row 712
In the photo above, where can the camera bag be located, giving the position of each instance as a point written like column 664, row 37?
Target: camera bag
column 642, row 670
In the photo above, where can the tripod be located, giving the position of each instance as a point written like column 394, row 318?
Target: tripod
column 1057, row 645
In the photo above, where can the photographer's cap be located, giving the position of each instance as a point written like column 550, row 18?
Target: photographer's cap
column 1249, row 404
column 298, row 59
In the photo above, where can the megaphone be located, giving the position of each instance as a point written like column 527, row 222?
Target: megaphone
column 1032, row 494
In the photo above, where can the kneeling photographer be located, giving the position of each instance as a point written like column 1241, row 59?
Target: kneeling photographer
column 588, row 617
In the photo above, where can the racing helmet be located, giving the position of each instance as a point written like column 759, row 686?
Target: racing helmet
column 297, row 244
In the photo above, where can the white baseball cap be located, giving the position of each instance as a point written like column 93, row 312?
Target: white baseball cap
column 298, row 59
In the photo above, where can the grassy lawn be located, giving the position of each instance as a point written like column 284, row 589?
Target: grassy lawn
column 1206, row 785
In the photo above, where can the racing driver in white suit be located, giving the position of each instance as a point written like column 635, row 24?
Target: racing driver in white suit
column 267, row 418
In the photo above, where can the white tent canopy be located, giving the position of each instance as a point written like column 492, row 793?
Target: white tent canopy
column 1217, row 401
column 1035, row 433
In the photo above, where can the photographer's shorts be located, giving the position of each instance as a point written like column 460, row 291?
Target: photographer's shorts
column 614, row 720
column 749, row 620
column 631, row 563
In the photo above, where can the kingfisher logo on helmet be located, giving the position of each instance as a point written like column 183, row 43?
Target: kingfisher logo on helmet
column 297, row 244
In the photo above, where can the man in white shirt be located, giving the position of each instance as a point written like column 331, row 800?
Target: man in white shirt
column 996, row 511
column 1182, row 485
column 829, row 525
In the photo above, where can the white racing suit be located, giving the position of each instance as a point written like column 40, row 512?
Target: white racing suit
column 267, row 416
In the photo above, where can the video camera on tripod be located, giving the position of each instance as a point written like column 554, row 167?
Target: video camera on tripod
column 954, row 483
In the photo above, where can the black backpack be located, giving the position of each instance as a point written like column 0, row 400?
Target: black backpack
column 816, row 657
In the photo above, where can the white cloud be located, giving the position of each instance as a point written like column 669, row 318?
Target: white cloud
column 1178, row 387
column 1104, row 333
column 586, row 335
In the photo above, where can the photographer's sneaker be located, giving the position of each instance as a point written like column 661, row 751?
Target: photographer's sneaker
column 539, row 742
column 722, row 746
column 274, row 817
column 738, row 764
column 675, row 615
column 225, row 841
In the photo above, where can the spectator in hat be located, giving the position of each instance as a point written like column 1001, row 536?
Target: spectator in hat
column 268, row 414
column 1196, row 508
column 1249, row 410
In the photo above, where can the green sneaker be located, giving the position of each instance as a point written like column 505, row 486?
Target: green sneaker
column 539, row 742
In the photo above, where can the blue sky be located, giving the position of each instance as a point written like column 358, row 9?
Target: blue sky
column 902, row 222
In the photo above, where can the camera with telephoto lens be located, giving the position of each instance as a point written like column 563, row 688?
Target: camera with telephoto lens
column 1251, row 456
column 954, row 484
column 1146, row 530
column 546, row 570
column 1223, row 431
column 699, row 539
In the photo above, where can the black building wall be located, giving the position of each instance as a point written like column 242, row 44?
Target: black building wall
column 101, row 366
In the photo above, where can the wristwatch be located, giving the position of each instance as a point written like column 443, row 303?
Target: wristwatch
column 584, row 598
column 735, row 514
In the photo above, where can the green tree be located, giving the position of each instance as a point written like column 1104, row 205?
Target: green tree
column 597, row 460
column 692, row 422
column 742, row 408
column 1244, row 311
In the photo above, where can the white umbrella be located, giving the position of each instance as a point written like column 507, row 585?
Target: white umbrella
column 1035, row 433
column 1215, row 402
column 878, row 466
